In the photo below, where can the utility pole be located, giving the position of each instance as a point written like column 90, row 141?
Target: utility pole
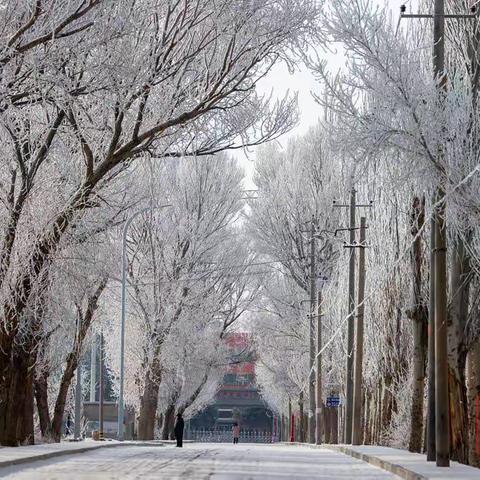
column 348, row 419
column 438, row 268
column 442, row 432
column 311, row 376
column 78, row 389
column 351, row 326
column 431, row 448
column 93, row 368
column 318, row 382
column 357, row 436
column 101, row 389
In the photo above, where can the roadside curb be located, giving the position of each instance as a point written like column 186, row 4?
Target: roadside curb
column 73, row 451
column 396, row 469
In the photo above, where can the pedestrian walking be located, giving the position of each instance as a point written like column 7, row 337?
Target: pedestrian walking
column 179, row 425
column 68, row 426
column 236, row 432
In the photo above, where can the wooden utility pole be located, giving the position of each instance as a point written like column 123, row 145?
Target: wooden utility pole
column 357, row 434
column 348, row 416
column 438, row 268
column 318, row 383
column 431, row 448
column 311, row 376
column 101, row 390
column 351, row 326
column 442, row 433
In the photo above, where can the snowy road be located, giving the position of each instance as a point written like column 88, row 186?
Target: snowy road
column 199, row 461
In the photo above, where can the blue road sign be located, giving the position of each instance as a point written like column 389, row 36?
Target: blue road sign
column 333, row 401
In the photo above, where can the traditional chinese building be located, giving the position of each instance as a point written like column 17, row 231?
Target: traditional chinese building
column 238, row 398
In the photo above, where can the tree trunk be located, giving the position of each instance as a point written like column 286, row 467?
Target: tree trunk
column 457, row 351
column 473, row 362
column 168, row 422
column 418, row 387
column 148, row 407
column 85, row 320
column 41, row 397
column 17, row 401
column 17, row 388
column 68, row 374
column 334, row 426
column 378, row 413
column 14, row 382
column 387, row 405
column 367, row 409
column 458, row 417
column 301, row 419
column 327, row 424
column 373, row 413
column 368, row 418
column 419, row 316
column 27, row 424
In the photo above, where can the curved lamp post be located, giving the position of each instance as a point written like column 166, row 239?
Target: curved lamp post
column 121, row 404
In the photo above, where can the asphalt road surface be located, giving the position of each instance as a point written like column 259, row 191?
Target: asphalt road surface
column 199, row 461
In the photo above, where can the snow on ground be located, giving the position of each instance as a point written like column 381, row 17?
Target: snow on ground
column 417, row 463
column 16, row 453
column 200, row 461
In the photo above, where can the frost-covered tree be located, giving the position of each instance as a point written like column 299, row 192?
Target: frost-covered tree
column 296, row 186
column 188, row 277
column 70, row 311
column 89, row 87
column 389, row 114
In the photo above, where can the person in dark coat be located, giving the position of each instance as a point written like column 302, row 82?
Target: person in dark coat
column 68, row 425
column 179, row 425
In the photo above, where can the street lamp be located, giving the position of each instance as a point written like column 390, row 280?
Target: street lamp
column 121, row 404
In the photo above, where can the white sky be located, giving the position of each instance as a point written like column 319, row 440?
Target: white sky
column 280, row 81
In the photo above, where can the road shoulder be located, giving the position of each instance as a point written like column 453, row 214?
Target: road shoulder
column 405, row 464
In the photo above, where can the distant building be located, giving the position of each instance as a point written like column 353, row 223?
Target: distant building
column 238, row 399
column 91, row 413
